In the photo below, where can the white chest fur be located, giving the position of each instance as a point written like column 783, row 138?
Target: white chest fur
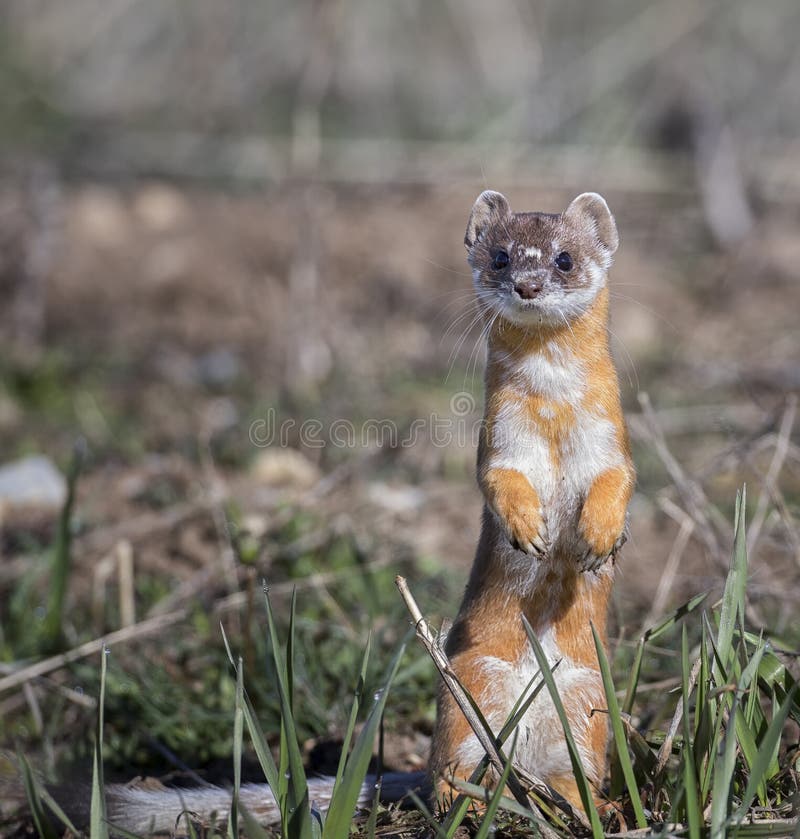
column 561, row 463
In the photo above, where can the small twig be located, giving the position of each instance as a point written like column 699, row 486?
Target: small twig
column 667, row 829
column 55, row 662
column 138, row 528
column 665, row 584
column 693, row 497
column 770, row 479
column 666, row 747
column 34, row 708
column 157, row 623
column 127, row 585
column 431, row 644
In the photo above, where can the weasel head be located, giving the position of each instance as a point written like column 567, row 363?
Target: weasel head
column 536, row 269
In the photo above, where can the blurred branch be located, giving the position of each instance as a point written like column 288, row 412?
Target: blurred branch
column 255, row 161
column 566, row 92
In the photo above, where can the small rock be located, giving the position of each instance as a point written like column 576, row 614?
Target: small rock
column 285, row 468
column 396, row 499
column 160, row 207
column 218, row 367
column 101, row 217
column 31, row 482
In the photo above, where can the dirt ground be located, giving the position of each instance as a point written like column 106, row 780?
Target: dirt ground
column 175, row 315
column 174, row 327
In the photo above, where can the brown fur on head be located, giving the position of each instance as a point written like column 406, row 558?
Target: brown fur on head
column 537, row 268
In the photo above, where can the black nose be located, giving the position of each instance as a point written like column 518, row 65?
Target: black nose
column 528, row 289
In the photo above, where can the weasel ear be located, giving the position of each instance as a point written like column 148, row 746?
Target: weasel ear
column 489, row 207
column 590, row 212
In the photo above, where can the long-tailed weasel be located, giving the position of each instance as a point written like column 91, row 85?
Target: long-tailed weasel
column 556, row 473
column 555, row 469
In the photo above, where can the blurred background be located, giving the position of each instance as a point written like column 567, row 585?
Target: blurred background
column 217, row 216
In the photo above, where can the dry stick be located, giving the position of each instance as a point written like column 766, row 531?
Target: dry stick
column 443, row 666
column 666, row 829
column 690, row 491
column 604, row 67
column 671, row 567
column 788, row 522
column 156, row 624
column 145, row 526
column 666, row 747
column 127, row 583
column 768, row 490
column 90, row 648
column 217, row 496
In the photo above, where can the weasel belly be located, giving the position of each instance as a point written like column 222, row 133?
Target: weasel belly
column 541, row 750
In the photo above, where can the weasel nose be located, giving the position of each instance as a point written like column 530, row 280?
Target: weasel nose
column 527, row 289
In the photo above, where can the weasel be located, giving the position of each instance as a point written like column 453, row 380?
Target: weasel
column 555, row 469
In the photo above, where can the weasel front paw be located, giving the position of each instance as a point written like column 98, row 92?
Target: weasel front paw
column 516, row 504
column 602, row 520
column 591, row 560
column 527, row 532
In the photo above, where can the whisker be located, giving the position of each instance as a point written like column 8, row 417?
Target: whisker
column 448, row 268
column 631, row 365
column 460, row 342
column 478, row 345
column 461, row 317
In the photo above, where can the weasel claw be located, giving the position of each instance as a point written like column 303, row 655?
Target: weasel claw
column 591, row 562
column 536, row 547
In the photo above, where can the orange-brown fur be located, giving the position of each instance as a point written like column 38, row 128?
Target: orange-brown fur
column 545, row 582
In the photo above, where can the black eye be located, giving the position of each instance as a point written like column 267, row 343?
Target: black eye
column 501, row 259
column 563, row 261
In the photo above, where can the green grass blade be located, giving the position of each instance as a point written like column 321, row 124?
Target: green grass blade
column 458, row 809
column 634, row 676
column 295, row 813
column 252, row 828
column 55, row 808
column 257, row 737
column 372, row 821
column 618, row 731
column 714, row 712
column 674, row 617
column 511, row 805
column 343, row 803
column 764, row 756
column 651, row 634
column 694, row 817
column 238, row 735
column 33, row 794
column 260, row 745
column 701, row 692
column 61, row 561
column 581, row 779
column 494, row 803
column 98, row 826
column 432, row 821
column 733, row 597
column 358, row 697
column 724, row 768
column 290, row 647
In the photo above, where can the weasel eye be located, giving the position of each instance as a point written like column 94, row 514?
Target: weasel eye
column 563, row 261
column 501, row 259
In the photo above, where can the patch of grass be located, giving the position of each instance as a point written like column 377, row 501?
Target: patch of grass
column 723, row 766
column 171, row 710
